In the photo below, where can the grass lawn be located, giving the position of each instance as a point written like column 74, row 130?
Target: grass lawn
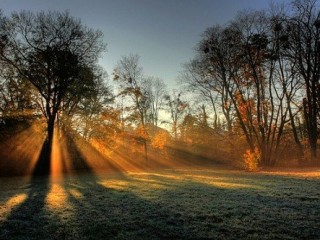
column 167, row 204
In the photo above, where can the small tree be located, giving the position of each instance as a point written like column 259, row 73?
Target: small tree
column 176, row 108
column 129, row 75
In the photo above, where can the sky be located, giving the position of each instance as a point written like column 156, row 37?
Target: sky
column 163, row 33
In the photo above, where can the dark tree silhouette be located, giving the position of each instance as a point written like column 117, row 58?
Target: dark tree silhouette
column 302, row 38
column 53, row 51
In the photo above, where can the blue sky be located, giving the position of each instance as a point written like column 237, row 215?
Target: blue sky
column 162, row 32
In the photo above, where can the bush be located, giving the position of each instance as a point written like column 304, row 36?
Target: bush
column 251, row 159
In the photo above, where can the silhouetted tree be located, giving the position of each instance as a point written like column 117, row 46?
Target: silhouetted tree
column 244, row 64
column 53, row 51
column 302, row 36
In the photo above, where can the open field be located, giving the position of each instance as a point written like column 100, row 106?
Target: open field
column 168, row 204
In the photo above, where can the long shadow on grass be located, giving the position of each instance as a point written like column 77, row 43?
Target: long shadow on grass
column 171, row 206
column 36, row 217
column 231, row 206
column 32, row 219
column 102, row 212
column 25, row 220
column 162, row 207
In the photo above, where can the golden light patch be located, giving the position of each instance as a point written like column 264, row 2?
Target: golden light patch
column 76, row 193
column 146, row 184
column 16, row 200
column 221, row 182
column 116, row 184
column 57, row 197
column 141, row 187
column 57, row 203
column 12, row 203
column 168, row 176
column 312, row 173
column 230, row 185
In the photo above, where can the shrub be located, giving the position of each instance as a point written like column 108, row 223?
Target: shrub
column 251, row 159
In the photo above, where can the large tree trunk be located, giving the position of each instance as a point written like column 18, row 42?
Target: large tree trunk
column 43, row 164
column 311, row 124
column 50, row 132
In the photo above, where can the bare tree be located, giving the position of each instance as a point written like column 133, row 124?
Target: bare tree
column 155, row 90
column 242, row 63
column 303, row 38
column 128, row 73
column 176, row 108
column 198, row 82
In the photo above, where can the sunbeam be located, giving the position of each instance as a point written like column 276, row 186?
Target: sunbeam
column 61, row 162
column 21, row 151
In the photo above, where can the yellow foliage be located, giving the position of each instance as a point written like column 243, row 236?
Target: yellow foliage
column 159, row 140
column 251, row 159
column 100, row 146
column 141, row 132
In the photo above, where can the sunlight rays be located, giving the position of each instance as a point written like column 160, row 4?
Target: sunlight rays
column 70, row 154
column 120, row 157
column 60, row 156
column 22, row 150
column 127, row 157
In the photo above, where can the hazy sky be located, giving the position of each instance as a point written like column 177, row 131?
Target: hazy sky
column 162, row 32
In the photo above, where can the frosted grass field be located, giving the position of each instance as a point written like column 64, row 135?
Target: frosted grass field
column 168, row 204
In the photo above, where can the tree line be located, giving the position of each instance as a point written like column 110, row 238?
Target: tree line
column 261, row 73
column 252, row 88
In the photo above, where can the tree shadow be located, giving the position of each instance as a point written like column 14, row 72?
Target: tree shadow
column 26, row 219
column 169, row 205
column 118, row 214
